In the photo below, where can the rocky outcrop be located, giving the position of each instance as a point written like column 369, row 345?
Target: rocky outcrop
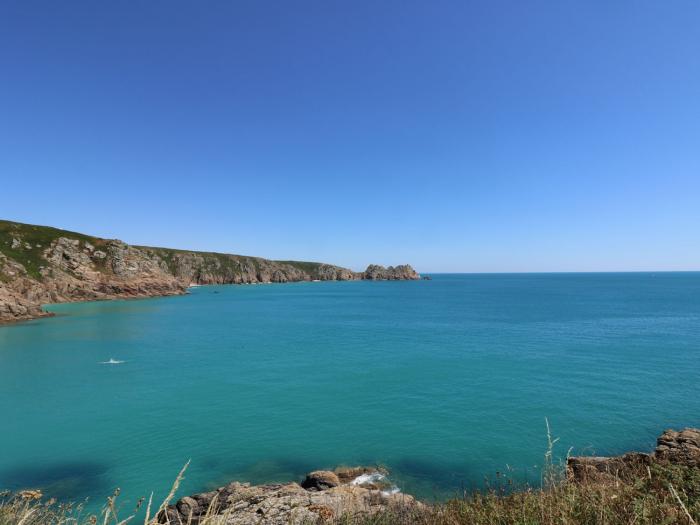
column 320, row 480
column 403, row 272
column 681, row 448
column 40, row 265
column 322, row 497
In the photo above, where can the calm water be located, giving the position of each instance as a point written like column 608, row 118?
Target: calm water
column 444, row 381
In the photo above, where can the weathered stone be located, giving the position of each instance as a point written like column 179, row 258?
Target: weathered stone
column 681, row 448
column 278, row 504
column 78, row 270
column 320, row 480
column 596, row 468
column 402, row 272
column 350, row 474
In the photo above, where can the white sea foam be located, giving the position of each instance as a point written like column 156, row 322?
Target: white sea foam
column 374, row 477
column 112, row 361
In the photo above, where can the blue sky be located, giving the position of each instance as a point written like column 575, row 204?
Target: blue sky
column 454, row 135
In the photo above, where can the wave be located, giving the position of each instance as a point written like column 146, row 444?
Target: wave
column 374, row 477
column 112, row 361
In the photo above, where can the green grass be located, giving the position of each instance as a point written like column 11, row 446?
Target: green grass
column 38, row 238
column 664, row 495
column 309, row 267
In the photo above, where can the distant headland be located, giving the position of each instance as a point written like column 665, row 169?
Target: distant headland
column 41, row 265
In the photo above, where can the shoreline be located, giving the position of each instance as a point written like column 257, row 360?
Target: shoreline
column 47, row 314
column 663, row 483
column 41, row 265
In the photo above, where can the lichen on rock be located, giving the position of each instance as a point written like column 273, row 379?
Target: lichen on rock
column 323, row 496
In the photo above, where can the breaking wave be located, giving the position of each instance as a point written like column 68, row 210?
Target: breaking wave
column 112, row 361
column 375, row 477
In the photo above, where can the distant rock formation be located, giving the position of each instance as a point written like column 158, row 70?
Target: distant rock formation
column 323, row 496
column 41, row 265
column 676, row 447
column 403, row 272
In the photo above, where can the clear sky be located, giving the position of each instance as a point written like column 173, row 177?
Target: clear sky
column 457, row 135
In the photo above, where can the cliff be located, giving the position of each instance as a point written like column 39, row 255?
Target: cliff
column 41, row 265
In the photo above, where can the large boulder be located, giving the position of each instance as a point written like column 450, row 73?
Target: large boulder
column 320, row 480
column 681, row 448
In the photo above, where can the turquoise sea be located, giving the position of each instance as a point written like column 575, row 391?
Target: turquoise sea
column 445, row 382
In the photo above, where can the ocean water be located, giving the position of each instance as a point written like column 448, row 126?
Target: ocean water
column 445, row 382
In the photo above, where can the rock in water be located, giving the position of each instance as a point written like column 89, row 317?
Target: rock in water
column 320, row 480
column 326, row 498
column 403, row 272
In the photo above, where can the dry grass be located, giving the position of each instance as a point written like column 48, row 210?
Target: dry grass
column 646, row 500
column 655, row 495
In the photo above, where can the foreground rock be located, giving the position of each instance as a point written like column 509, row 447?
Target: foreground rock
column 321, row 497
column 40, row 265
column 680, row 448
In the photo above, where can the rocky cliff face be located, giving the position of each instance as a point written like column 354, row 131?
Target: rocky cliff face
column 675, row 447
column 403, row 272
column 323, row 497
column 40, row 265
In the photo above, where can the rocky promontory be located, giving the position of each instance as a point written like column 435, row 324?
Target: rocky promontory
column 41, row 265
column 403, row 272
column 322, row 497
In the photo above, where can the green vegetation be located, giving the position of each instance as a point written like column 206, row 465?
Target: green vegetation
column 662, row 495
column 26, row 243
column 659, row 494
column 309, row 267
column 30, row 242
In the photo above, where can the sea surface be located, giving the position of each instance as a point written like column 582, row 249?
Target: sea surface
column 446, row 382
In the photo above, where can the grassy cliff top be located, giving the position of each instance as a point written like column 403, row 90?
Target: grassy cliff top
column 25, row 243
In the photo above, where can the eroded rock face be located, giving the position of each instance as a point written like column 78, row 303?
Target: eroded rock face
column 74, row 267
column 325, row 499
column 327, row 272
column 402, row 272
column 681, row 448
column 73, row 270
column 320, row 480
column 597, row 468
